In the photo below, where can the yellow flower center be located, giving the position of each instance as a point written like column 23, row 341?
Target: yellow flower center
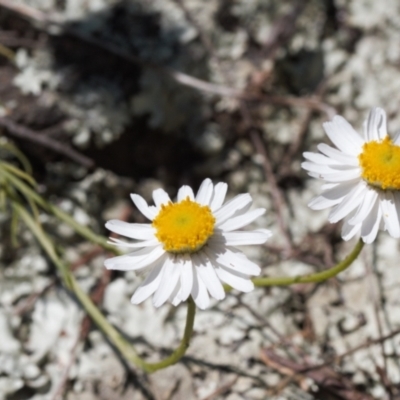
column 380, row 164
column 184, row 227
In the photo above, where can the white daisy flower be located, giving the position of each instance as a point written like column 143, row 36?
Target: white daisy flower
column 363, row 175
column 189, row 248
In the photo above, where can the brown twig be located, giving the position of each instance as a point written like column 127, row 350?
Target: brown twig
column 10, row 39
column 221, row 390
column 368, row 343
column 276, row 194
column 282, row 29
column 329, row 381
column 59, row 390
column 23, row 132
column 28, row 303
column 26, row 11
column 381, row 294
column 204, row 38
column 296, row 144
column 96, row 296
column 86, row 258
column 375, row 301
column 180, row 77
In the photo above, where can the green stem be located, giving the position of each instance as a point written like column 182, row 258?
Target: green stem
column 120, row 343
column 63, row 216
column 181, row 350
column 312, row 278
column 4, row 144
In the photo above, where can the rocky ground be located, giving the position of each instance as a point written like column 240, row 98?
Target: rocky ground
column 158, row 93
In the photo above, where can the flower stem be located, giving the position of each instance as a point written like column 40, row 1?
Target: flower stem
column 312, row 278
column 30, row 194
column 181, row 350
column 120, row 343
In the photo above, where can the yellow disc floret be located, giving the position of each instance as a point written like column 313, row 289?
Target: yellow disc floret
column 184, row 227
column 380, row 164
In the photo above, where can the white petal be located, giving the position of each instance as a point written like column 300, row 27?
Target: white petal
column 169, row 280
column 175, row 297
column 232, row 206
column 370, row 197
column 321, row 159
column 343, row 136
column 396, row 196
column 136, row 255
column 396, row 138
column 145, row 243
column 349, row 203
column 323, row 170
column 205, row 192
column 183, row 262
column 332, row 196
column 338, row 155
column 184, row 192
column 375, row 126
column 207, row 274
column 218, row 198
column 236, row 280
column 242, row 238
column 340, row 176
column 151, row 283
column 370, row 225
column 160, row 196
column 241, row 220
column 389, row 214
column 149, row 212
column 233, row 259
column 186, row 277
column 343, row 176
column 348, row 230
column 133, row 231
column 136, row 260
column 329, row 186
column 199, row 292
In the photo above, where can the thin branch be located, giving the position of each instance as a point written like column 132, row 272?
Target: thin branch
column 7, row 53
column 368, row 343
column 96, row 297
column 221, row 390
column 326, row 378
column 30, row 301
column 277, row 197
column 24, row 10
column 375, row 303
column 386, row 315
column 204, row 38
column 296, row 144
column 11, row 39
column 47, row 21
column 23, row 132
column 282, row 30
column 60, row 388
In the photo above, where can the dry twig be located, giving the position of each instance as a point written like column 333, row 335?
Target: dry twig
column 23, row 132
column 96, row 297
column 47, row 21
column 282, row 29
column 277, row 197
column 221, row 390
column 328, row 381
